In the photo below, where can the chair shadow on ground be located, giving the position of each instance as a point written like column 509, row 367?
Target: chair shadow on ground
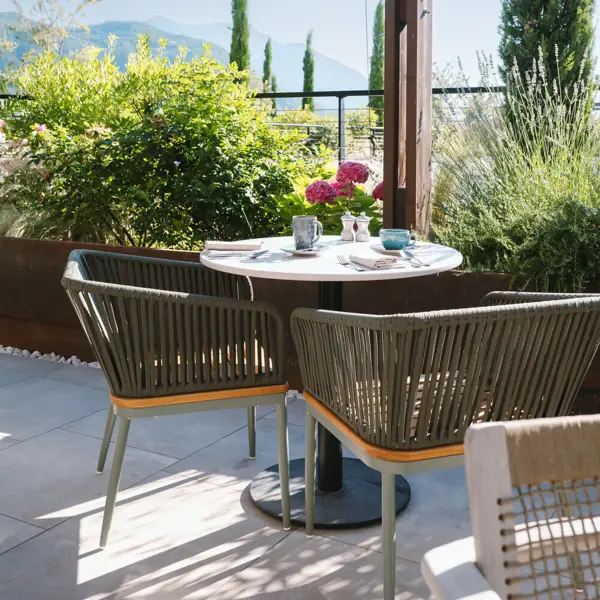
column 178, row 537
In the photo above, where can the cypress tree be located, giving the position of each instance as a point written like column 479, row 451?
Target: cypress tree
column 268, row 65
column 309, row 73
column 376, row 75
column 274, row 89
column 561, row 31
column 240, row 37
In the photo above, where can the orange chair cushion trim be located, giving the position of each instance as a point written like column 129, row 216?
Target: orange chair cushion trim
column 201, row 397
column 398, row 456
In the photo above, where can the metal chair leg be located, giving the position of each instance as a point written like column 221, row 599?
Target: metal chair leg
column 108, row 431
column 252, row 431
column 310, row 464
column 388, row 534
column 284, row 463
column 115, row 478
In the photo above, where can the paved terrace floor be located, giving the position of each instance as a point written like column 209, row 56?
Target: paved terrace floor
column 184, row 526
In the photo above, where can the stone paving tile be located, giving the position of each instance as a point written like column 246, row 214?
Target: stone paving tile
column 182, row 529
column 176, row 436
column 37, row 405
column 226, row 462
column 86, row 376
column 438, row 513
column 171, row 538
column 300, row 569
column 53, row 476
column 13, row 533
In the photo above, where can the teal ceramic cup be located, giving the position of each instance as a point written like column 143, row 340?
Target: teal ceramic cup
column 397, row 239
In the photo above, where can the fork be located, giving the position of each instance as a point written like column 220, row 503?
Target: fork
column 346, row 262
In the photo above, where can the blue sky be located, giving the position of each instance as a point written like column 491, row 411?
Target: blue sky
column 461, row 27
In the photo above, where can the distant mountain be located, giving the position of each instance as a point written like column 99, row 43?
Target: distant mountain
column 126, row 32
column 287, row 58
column 330, row 74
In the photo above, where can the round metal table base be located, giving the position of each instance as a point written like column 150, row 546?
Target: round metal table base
column 358, row 504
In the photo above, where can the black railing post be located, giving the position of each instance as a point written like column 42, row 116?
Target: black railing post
column 342, row 128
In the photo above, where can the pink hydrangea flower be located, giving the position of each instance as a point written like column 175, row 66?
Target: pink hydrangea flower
column 378, row 191
column 2, row 123
column 343, row 189
column 352, row 172
column 320, row 192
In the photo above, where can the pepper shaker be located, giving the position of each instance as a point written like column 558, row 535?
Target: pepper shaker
column 348, row 227
column 363, row 234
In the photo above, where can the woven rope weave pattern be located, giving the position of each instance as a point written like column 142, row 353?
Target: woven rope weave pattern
column 419, row 380
column 161, row 327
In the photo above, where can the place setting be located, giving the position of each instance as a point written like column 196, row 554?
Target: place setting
column 311, row 255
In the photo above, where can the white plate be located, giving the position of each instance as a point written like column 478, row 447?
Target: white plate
column 314, row 251
column 379, row 248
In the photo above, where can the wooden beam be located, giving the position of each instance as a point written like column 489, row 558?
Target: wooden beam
column 407, row 131
column 418, row 115
column 394, row 125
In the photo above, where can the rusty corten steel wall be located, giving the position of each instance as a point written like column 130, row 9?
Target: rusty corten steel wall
column 35, row 312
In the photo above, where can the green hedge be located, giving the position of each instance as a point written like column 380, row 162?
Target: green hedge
column 160, row 154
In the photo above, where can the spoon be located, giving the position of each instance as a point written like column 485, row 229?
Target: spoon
column 410, row 256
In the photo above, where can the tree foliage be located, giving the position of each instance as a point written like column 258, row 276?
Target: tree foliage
column 376, row 75
column 560, row 33
column 309, row 73
column 50, row 22
column 161, row 154
column 268, row 64
column 240, row 36
column 274, row 89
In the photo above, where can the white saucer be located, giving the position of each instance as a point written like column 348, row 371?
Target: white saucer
column 314, row 251
column 379, row 248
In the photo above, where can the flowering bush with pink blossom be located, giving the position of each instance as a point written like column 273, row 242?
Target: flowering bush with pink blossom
column 378, row 192
column 346, row 190
column 352, row 172
column 329, row 200
column 320, row 192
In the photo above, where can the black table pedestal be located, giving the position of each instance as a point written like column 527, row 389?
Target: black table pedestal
column 348, row 492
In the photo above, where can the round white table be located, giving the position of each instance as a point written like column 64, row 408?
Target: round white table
column 348, row 492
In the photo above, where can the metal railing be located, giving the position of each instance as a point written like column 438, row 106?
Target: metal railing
column 316, row 132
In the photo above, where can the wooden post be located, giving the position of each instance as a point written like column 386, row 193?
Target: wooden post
column 407, row 128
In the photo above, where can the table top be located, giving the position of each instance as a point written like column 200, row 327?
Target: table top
column 278, row 264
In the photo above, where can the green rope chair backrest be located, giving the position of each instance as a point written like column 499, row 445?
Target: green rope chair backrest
column 419, row 380
column 161, row 327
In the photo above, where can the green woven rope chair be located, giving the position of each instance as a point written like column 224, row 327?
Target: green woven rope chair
column 401, row 391
column 534, row 494
column 174, row 337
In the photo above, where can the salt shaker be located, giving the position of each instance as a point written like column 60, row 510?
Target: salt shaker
column 348, row 227
column 363, row 234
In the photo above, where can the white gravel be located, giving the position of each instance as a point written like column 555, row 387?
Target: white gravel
column 52, row 357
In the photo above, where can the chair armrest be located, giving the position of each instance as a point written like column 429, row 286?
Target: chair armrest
column 503, row 298
column 451, row 573
column 156, row 342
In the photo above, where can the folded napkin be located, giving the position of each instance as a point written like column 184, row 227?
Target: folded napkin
column 237, row 246
column 382, row 262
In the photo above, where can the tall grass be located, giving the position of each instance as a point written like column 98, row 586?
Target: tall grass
column 517, row 185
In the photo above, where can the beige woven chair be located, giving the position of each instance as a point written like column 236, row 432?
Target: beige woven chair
column 401, row 391
column 534, row 492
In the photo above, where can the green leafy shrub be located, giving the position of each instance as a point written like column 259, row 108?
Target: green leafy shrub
column 517, row 189
column 161, row 154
